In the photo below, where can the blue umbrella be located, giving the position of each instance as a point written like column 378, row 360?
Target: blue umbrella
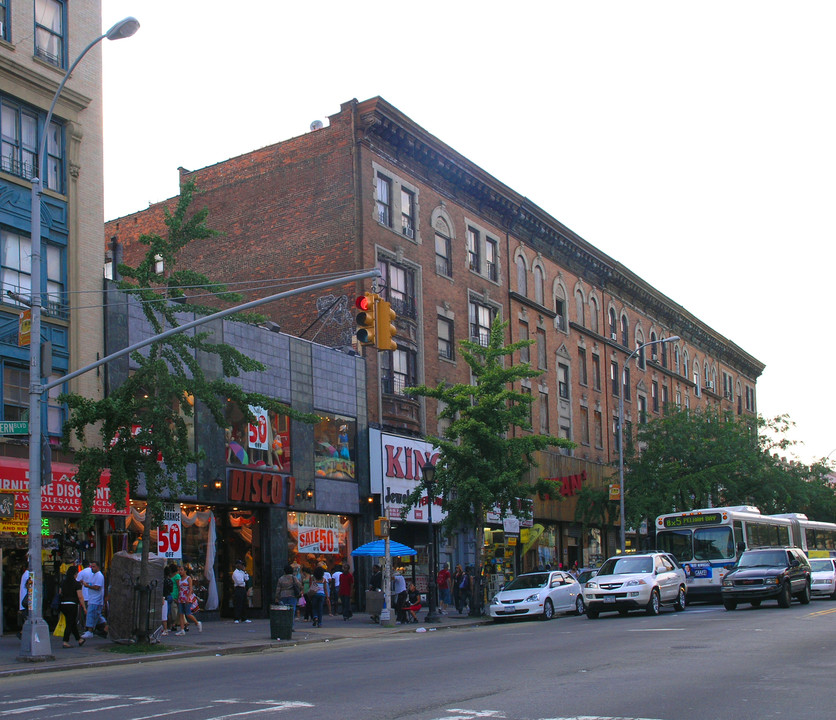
column 377, row 548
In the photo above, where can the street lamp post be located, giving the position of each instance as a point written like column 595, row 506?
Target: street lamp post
column 429, row 482
column 35, row 643
column 635, row 352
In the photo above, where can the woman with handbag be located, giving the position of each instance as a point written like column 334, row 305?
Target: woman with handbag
column 186, row 599
column 288, row 590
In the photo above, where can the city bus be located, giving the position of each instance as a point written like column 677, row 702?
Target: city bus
column 707, row 542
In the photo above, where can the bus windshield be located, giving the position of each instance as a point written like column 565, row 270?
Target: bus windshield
column 677, row 543
column 714, row 544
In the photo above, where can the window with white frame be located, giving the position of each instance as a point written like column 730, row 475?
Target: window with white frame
column 445, row 338
column 560, row 308
column 492, row 258
column 398, row 286
column 16, row 271
column 481, row 317
column 563, row 381
column 642, row 409
column 407, row 213
column 19, row 140
column 626, row 379
column 383, row 199
column 613, row 321
column 50, row 39
column 443, row 244
column 654, row 395
column 474, row 257
column 625, row 331
column 398, row 370
column 4, row 20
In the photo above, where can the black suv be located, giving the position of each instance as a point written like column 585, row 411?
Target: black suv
column 775, row 573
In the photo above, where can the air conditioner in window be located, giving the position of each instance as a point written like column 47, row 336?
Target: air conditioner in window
column 654, row 357
column 709, row 385
column 613, row 336
column 408, row 231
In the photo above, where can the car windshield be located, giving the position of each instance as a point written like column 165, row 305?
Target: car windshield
column 821, row 565
column 526, row 582
column 769, row 558
column 627, row 566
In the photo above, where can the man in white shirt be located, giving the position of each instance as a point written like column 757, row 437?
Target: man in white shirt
column 399, row 591
column 92, row 584
column 335, row 586
column 239, row 593
column 329, row 584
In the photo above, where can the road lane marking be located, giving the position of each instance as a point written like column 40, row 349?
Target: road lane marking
column 271, row 706
column 821, row 612
column 656, row 630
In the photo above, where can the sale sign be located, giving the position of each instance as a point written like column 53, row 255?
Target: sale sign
column 170, row 533
column 319, row 534
column 257, row 435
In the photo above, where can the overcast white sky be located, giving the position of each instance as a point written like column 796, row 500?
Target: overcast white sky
column 693, row 142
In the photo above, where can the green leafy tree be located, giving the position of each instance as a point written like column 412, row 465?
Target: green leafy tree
column 159, row 397
column 690, row 459
column 482, row 465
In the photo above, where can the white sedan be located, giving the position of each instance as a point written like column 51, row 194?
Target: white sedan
column 537, row 593
column 823, row 577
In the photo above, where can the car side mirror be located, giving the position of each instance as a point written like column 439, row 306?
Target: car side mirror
column 794, row 562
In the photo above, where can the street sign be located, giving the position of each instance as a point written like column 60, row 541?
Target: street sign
column 24, row 328
column 14, row 427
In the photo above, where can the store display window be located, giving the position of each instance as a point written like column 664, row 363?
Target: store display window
column 244, row 543
column 314, row 538
column 262, row 444
column 197, row 530
column 334, row 447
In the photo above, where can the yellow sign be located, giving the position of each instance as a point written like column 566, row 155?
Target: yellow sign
column 615, row 491
column 24, row 328
column 511, row 541
column 19, row 524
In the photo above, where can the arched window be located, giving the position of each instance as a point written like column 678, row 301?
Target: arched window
column 593, row 314
column 613, row 328
column 538, row 284
column 654, row 349
column 685, row 363
column 522, row 276
column 676, row 359
column 560, row 307
column 625, row 331
column 639, row 343
column 579, row 303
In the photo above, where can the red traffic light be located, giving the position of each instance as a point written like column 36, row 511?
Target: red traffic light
column 362, row 303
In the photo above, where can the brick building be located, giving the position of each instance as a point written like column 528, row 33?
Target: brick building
column 456, row 248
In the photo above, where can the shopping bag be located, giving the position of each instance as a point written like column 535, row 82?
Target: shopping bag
column 60, row 627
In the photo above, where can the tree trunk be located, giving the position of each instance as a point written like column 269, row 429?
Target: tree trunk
column 476, row 589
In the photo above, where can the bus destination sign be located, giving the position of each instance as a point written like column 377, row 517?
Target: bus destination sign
column 692, row 520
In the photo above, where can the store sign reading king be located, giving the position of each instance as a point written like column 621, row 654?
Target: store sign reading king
column 62, row 495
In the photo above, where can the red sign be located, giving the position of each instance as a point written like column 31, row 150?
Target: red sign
column 62, row 495
column 570, row 485
column 262, row 488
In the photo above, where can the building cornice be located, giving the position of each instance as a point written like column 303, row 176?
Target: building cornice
column 388, row 131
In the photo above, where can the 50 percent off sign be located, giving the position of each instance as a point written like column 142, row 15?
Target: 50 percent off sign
column 169, row 534
column 258, row 435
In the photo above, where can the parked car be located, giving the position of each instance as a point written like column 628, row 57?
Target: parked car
column 771, row 573
column 823, row 577
column 644, row 581
column 537, row 593
column 584, row 575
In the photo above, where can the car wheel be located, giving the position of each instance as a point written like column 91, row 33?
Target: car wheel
column 805, row 595
column 580, row 608
column 654, row 604
column 680, row 600
column 833, row 595
column 785, row 598
column 592, row 614
column 730, row 604
column 755, row 603
column 548, row 610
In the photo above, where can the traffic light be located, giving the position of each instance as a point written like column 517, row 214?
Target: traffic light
column 385, row 329
column 367, row 304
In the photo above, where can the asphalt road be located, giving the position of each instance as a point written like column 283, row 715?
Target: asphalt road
column 700, row 664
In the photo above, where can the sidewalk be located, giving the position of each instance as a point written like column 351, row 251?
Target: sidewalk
column 221, row 637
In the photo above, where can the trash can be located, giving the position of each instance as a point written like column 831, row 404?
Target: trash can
column 374, row 604
column 281, row 622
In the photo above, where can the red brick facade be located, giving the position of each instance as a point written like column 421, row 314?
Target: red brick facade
column 313, row 205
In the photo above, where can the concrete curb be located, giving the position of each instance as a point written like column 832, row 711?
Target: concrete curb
column 38, row 668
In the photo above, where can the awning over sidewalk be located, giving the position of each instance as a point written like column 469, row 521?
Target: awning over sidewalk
column 377, row 548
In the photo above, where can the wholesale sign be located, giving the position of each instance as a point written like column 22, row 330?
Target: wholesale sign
column 62, row 495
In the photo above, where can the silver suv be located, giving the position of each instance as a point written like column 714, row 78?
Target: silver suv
column 644, row 581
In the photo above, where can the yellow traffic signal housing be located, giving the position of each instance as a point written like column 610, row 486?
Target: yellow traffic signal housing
column 381, row 527
column 366, row 318
column 386, row 328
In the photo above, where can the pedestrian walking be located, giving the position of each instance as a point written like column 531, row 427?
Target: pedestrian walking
column 456, row 580
column 240, row 578
column 71, row 599
column 443, row 580
column 346, row 584
column 187, row 601
column 465, row 589
column 92, row 580
column 288, row 590
column 399, row 591
column 335, row 586
column 318, row 595
column 305, row 601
